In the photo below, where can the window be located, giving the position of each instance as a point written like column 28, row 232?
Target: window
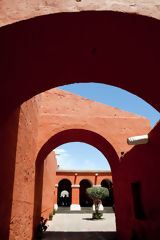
column 137, row 201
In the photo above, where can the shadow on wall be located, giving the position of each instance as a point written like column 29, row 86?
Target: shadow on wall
column 141, row 190
column 8, row 143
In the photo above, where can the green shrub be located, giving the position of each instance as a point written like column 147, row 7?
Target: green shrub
column 51, row 215
column 97, row 194
column 97, row 215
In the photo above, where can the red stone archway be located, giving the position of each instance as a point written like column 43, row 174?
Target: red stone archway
column 114, row 48
column 71, row 135
column 84, row 200
column 64, row 185
column 27, row 53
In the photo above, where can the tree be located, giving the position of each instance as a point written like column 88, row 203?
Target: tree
column 97, row 194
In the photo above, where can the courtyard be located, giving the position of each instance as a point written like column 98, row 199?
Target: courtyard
column 81, row 226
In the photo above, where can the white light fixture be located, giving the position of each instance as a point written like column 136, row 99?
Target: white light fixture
column 143, row 139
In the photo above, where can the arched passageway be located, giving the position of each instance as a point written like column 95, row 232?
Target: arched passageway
column 71, row 135
column 90, row 54
column 83, row 54
column 85, row 201
column 109, row 200
column 64, row 193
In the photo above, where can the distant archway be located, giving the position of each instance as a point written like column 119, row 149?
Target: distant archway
column 107, row 183
column 70, row 135
column 85, row 201
column 64, row 193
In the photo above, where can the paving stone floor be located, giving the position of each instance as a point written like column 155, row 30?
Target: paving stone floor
column 81, row 227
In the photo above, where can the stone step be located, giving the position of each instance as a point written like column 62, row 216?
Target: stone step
column 83, row 210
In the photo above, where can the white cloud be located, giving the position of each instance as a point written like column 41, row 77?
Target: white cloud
column 64, row 159
column 59, row 150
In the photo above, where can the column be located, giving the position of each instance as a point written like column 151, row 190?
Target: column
column 75, row 206
column 56, row 194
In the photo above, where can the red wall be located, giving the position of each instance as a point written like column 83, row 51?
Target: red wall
column 140, row 164
column 49, row 179
column 26, row 151
column 8, row 143
column 50, row 113
column 32, row 63
column 75, row 180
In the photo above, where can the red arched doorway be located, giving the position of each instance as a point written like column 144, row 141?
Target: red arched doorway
column 114, row 48
column 71, row 135
column 64, row 193
column 107, row 183
column 85, row 201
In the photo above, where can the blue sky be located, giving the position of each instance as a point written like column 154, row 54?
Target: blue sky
column 83, row 156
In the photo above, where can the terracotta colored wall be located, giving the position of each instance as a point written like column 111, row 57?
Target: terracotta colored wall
column 17, row 10
column 140, row 164
column 49, row 180
column 61, row 110
column 40, row 118
column 75, row 180
column 23, row 194
column 75, row 195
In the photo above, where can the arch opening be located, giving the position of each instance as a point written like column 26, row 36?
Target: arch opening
column 58, row 139
column 82, row 53
column 64, row 193
column 109, row 201
column 85, row 201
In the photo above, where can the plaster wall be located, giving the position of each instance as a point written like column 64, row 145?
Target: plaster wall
column 39, row 119
column 49, row 179
column 23, row 192
column 141, row 164
column 12, row 11
column 75, row 180
column 61, row 110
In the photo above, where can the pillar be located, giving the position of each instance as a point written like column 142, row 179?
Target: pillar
column 75, row 206
column 56, row 194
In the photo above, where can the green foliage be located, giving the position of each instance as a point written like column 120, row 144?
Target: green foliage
column 54, row 210
column 97, row 193
column 97, row 215
column 51, row 215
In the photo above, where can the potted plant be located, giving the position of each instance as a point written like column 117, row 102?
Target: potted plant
column 97, row 194
column 54, row 211
column 50, row 216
